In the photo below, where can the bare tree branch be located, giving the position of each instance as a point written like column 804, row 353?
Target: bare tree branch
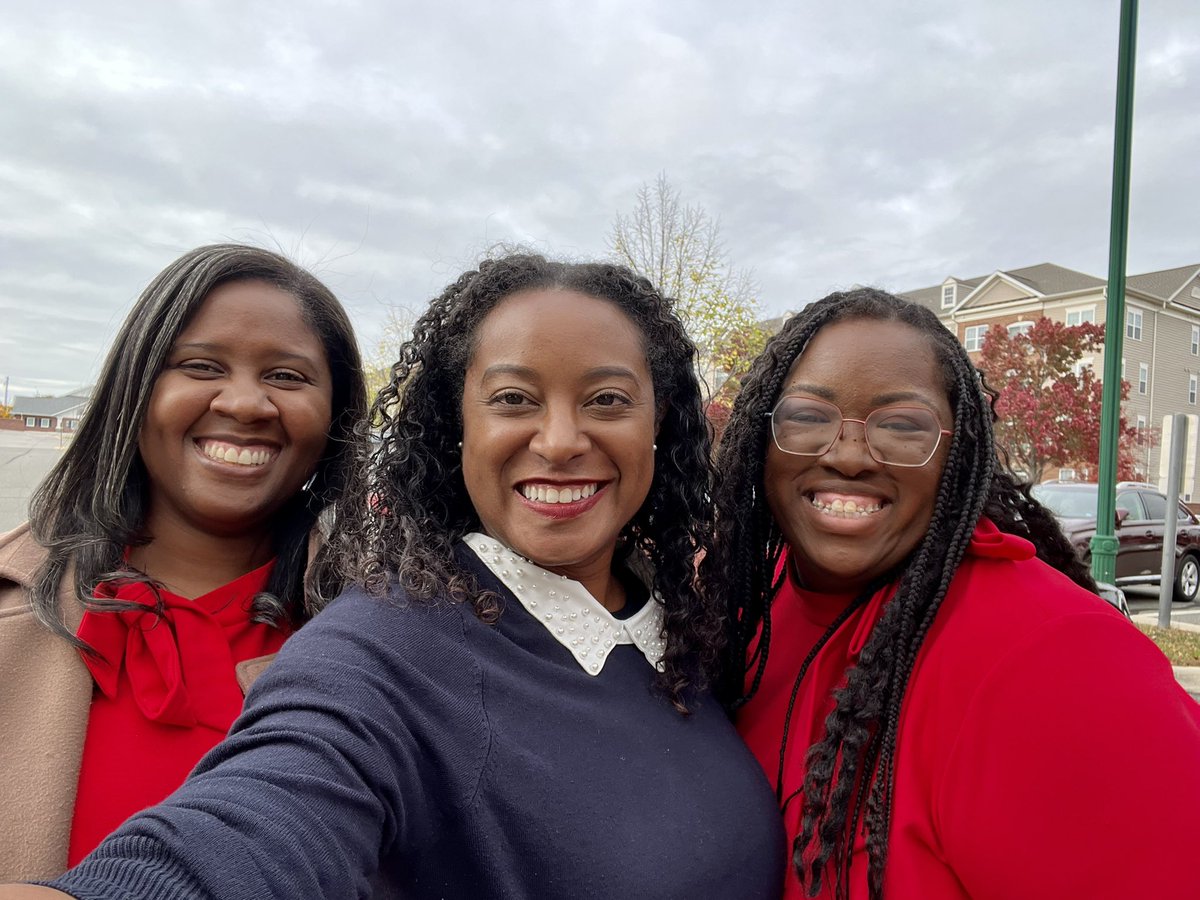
column 678, row 247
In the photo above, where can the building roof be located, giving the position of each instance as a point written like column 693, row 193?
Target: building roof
column 1165, row 284
column 1047, row 278
column 931, row 297
column 48, row 406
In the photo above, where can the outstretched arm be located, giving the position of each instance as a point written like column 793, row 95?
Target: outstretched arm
column 324, row 771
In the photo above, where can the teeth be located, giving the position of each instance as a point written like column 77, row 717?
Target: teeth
column 227, row 453
column 544, row 494
column 846, row 510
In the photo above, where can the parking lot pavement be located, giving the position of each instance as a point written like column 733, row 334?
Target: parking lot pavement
column 1143, row 605
column 1187, row 616
column 25, row 458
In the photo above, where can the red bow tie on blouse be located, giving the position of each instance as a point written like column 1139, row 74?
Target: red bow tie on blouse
column 178, row 665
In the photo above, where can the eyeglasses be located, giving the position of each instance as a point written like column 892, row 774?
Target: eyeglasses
column 906, row 436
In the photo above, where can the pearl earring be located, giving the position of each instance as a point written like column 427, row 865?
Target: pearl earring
column 654, row 446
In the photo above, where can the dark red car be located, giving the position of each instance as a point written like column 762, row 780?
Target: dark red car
column 1141, row 512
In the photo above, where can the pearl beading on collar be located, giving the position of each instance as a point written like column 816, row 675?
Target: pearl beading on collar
column 571, row 615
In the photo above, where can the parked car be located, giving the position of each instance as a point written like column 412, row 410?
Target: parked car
column 1140, row 513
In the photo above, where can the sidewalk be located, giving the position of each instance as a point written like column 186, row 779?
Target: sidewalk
column 1188, row 676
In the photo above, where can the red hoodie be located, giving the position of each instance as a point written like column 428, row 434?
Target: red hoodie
column 1045, row 749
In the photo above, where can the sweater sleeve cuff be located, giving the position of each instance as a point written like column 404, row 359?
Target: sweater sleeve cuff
column 133, row 868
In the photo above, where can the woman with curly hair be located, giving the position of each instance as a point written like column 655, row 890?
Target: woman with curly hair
column 166, row 554
column 917, row 659
column 513, row 704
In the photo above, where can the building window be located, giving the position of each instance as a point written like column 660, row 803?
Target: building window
column 973, row 340
column 948, row 295
column 31, row 421
column 1133, row 324
column 1080, row 316
column 1143, row 378
column 1141, row 426
column 43, row 423
column 1192, row 389
column 1017, row 328
column 1196, row 340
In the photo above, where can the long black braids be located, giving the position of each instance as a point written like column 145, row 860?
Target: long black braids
column 850, row 773
column 409, row 505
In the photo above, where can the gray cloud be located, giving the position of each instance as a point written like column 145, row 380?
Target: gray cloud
column 388, row 145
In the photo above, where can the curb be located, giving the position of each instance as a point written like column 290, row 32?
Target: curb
column 1151, row 618
column 1189, row 677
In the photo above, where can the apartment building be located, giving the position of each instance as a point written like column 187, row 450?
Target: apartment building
column 1161, row 354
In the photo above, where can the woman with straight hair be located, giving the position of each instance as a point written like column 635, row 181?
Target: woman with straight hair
column 165, row 558
column 516, row 705
column 945, row 708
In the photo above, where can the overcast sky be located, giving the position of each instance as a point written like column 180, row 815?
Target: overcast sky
column 388, row 144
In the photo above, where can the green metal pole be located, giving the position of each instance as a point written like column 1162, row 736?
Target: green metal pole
column 1104, row 543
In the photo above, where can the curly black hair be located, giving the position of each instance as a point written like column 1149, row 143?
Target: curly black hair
column 741, row 569
column 416, row 501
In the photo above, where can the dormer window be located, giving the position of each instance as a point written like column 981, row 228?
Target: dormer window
column 948, row 292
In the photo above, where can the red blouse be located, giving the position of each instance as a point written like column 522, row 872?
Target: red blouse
column 166, row 694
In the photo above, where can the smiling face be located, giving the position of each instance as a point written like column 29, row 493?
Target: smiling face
column 558, row 428
column 859, row 365
column 238, row 417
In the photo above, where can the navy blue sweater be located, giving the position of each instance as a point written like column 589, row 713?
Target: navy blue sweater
column 408, row 750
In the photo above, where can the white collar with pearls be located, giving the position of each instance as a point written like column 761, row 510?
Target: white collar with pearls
column 574, row 618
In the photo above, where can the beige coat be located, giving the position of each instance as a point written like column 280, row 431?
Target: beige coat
column 45, row 696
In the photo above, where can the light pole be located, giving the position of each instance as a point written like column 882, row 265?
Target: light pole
column 1104, row 543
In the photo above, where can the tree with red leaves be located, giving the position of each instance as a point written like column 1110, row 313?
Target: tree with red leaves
column 1049, row 406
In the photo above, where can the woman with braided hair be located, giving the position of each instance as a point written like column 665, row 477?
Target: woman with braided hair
column 917, row 659
column 513, row 702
